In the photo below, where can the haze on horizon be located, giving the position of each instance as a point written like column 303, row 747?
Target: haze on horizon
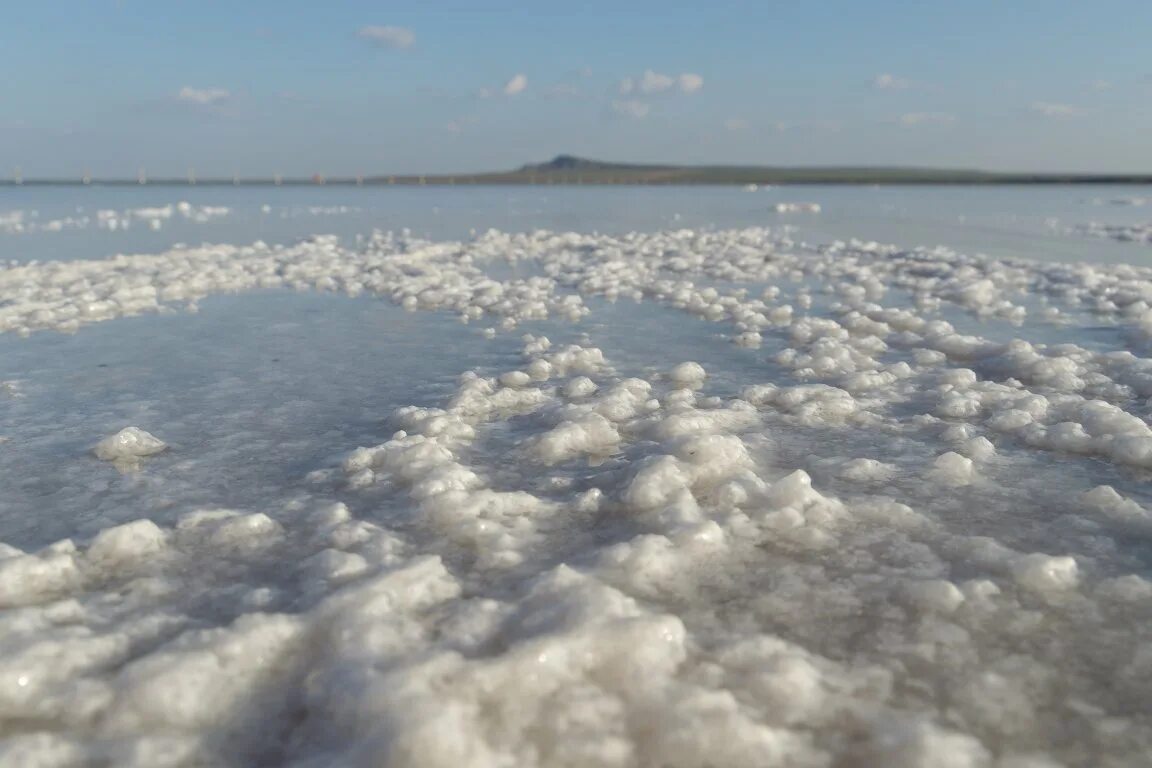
column 359, row 87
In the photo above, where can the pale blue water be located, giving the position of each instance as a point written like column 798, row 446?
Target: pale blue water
column 1005, row 222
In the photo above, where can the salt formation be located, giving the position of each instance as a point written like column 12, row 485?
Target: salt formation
column 129, row 443
column 907, row 528
column 22, row 222
column 1134, row 200
column 1137, row 233
column 797, row 208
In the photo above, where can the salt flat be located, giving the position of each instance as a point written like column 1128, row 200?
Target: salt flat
column 684, row 483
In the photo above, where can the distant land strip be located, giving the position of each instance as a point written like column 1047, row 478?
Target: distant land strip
column 568, row 170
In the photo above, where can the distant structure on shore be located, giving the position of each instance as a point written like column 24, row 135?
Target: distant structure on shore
column 573, row 170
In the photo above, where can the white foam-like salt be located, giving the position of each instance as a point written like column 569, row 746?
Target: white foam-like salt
column 840, row 549
column 797, row 208
column 129, row 443
column 154, row 217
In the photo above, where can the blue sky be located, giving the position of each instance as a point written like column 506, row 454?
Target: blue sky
column 259, row 87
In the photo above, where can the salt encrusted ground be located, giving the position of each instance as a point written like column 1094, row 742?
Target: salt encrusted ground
column 888, row 508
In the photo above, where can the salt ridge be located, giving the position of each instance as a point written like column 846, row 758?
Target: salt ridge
column 641, row 576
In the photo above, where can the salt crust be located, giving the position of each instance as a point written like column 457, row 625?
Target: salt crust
column 127, row 444
column 646, row 584
column 26, row 222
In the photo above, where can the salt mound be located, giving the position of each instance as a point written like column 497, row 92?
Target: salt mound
column 129, row 443
column 797, row 208
column 688, row 374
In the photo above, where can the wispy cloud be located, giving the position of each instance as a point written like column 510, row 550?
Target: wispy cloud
column 631, row 108
column 889, row 82
column 634, row 93
column 807, row 126
column 204, row 97
column 570, row 86
column 516, row 85
column 396, row 38
column 652, row 82
column 926, row 118
column 460, row 124
column 563, row 91
column 1101, row 85
column 690, row 82
column 736, row 124
column 1054, row 109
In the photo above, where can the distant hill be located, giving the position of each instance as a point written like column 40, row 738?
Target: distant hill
column 597, row 171
column 562, row 163
column 570, row 169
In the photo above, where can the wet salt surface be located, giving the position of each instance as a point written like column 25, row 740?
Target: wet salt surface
column 245, row 391
column 679, row 499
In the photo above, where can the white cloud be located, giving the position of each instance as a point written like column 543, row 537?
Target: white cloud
column 1102, row 85
column 516, row 85
column 890, row 82
column 736, row 124
column 397, row 38
column 654, row 82
column 203, row 96
column 1053, row 109
column 632, row 108
column 690, row 82
column 927, row 118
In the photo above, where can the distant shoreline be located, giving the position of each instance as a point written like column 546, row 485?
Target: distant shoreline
column 466, row 182
column 567, row 170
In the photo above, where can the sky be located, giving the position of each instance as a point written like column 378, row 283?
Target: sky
column 259, row 87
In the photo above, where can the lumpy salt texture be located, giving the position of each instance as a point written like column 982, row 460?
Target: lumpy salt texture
column 129, row 443
column 808, row 505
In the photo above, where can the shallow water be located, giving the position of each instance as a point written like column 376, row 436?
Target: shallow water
column 436, row 499
column 1005, row 222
